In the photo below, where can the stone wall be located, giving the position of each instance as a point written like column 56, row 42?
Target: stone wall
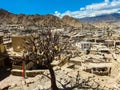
column 29, row 73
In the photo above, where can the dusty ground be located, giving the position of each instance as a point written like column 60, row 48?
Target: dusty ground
column 67, row 79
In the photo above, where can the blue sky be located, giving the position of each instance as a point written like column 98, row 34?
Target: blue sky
column 74, row 8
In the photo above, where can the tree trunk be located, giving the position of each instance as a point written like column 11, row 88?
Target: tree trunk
column 53, row 78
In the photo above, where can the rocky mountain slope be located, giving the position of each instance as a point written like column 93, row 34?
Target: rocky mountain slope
column 74, row 22
column 39, row 20
column 114, row 17
column 108, row 20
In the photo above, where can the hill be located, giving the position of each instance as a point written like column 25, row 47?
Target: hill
column 39, row 20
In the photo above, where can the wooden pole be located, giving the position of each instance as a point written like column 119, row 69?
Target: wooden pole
column 23, row 70
column 23, row 67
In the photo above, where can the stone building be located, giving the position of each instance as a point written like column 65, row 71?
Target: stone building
column 110, row 43
column 18, row 42
column 4, row 58
column 84, row 46
column 98, row 68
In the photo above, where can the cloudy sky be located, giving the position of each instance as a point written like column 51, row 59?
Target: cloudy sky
column 94, row 9
column 74, row 8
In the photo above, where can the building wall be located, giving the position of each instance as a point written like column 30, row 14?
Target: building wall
column 4, row 58
column 2, row 49
column 83, row 45
column 1, row 39
column 18, row 43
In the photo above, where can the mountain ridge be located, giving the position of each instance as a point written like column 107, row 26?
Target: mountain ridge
column 114, row 17
column 48, row 20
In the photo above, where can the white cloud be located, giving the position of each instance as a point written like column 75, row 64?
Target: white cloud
column 95, row 9
column 57, row 13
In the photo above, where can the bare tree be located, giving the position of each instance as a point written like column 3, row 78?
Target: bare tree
column 42, row 48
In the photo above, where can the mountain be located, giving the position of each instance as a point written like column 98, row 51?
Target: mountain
column 74, row 22
column 39, row 20
column 36, row 20
column 114, row 17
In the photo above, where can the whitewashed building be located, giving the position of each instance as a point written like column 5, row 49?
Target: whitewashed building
column 83, row 46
